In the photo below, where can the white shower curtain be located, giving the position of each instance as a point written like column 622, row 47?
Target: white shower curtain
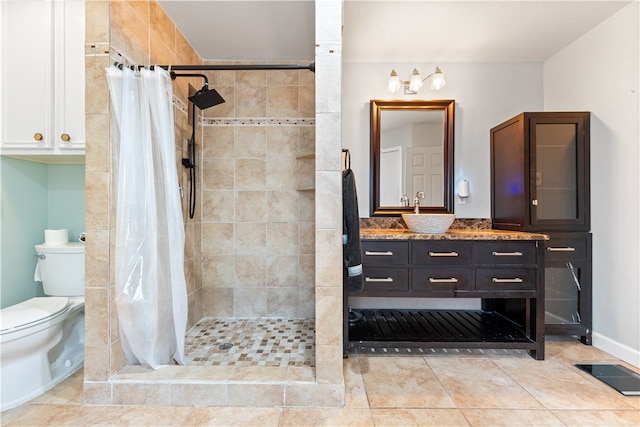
column 151, row 294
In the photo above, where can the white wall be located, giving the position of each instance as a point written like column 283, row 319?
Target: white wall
column 599, row 73
column 485, row 95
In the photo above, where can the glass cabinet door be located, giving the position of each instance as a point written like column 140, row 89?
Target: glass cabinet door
column 563, row 286
column 557, row 173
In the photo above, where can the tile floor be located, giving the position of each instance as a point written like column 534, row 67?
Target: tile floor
column 251, row 342
column 465, row 388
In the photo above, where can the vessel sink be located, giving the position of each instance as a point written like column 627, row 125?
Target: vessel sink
column 428, row 223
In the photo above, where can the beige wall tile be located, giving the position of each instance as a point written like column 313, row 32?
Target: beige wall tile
column 282, row 302
column 218, row 174
column 96, row 28
column 217, row 239
column 282, row 173
column 250, row 302
column 97, row 319
column 250, row 206
column 250, row 142
column 256, row 106
column 218, row 271
column 161, row 26
column 96, row 86
column 218, row 141
column 282, row 270
column 250, row 174
column 97, row 259
column 282, row 141
column 250, row 271
column 218, row 206
column 97, row 200
column 265, row 395
column 282, row 206
column 198, row 395
column 141, row 394
column 130, row 31
column 282, row 101
column 98, row 152
column 250, row 239
column 96, row 393
column 218, row 302
column 96, row 363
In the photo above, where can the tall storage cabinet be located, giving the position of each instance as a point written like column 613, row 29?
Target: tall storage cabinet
column 540, row 182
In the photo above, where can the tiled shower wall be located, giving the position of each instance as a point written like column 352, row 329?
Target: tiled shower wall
column 138, row 32
column 258, row 224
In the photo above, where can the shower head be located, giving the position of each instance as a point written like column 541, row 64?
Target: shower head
column 205, row 98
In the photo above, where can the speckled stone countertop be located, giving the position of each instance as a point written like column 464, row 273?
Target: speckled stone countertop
column 451, row 234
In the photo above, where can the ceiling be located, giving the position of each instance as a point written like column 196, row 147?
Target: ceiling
column 390, row 30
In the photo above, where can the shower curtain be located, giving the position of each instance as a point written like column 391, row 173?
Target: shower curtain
column 151, row 295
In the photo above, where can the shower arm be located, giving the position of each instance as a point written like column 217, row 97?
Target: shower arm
column 206, row 80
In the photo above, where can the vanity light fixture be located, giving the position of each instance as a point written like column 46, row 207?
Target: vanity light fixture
column 414, row 84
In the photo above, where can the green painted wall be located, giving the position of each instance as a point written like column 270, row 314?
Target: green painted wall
column 34, row 197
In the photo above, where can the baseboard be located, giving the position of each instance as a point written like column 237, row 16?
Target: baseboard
column 614, row 348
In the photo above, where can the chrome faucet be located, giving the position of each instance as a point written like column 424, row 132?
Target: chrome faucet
column 416, row 201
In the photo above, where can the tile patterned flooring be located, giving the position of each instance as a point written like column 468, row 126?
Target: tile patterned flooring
column 251, row 342
column 453, row 388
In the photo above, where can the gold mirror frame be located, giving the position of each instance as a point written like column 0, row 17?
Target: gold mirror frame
column 377, row 107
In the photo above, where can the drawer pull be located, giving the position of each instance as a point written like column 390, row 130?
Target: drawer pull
column 449, row 280
column 452, row 253
column 376, row 253
column 373, row 279
column 506, row 253
column 558, row 249
column 514, row 280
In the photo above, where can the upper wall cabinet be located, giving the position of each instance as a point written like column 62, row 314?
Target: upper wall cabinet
column 42, row 71
column 540, row 172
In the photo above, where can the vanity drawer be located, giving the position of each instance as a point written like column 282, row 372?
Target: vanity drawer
column 505, row 253
column 505, row 279
column 565, row 249
column 385, row 279
column 442, row 252
column 385, row 252
column 441, row 279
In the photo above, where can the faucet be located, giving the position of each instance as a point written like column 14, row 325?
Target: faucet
column 416, row 201
column 404, row 200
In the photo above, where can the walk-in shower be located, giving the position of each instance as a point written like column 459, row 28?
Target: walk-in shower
column 241, row 228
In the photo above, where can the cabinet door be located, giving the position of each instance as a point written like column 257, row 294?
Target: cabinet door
column 563, row 287
column 27, row 54
column 69, row 129
column 559, row 172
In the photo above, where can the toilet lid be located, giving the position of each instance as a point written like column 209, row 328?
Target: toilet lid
column 31, row 311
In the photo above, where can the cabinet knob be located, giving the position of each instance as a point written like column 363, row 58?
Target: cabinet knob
column 65, row 137
column 38, row 136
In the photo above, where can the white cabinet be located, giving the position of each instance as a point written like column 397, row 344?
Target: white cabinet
column 42, row 73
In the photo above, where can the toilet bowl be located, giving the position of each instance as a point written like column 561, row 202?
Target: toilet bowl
column 42, row 339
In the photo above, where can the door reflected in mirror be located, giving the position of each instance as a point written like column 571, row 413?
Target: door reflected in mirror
column 411, row 152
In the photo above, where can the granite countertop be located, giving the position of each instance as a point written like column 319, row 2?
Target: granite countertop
column 451, row 234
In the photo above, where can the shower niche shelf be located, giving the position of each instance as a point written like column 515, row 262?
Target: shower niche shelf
column 306, row 166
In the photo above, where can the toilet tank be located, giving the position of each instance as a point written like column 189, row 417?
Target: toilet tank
column 61, row 269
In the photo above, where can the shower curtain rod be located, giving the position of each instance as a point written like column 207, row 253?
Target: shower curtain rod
column 211, row 67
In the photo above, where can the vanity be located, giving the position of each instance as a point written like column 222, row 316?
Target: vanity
column 500, row 268
column 498, row 273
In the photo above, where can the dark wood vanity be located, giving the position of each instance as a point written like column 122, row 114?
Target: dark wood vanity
column 501, row 268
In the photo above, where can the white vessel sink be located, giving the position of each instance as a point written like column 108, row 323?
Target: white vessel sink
column 428, row 223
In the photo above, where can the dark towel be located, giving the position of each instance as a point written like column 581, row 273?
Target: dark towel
column 352, row 247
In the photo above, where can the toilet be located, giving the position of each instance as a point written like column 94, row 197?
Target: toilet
column 42, row 339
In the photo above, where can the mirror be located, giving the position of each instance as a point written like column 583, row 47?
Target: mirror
column 411, row 151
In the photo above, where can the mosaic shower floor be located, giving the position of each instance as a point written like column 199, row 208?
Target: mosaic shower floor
column 252, row 342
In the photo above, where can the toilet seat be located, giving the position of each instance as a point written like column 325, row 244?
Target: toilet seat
column 32, row 312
